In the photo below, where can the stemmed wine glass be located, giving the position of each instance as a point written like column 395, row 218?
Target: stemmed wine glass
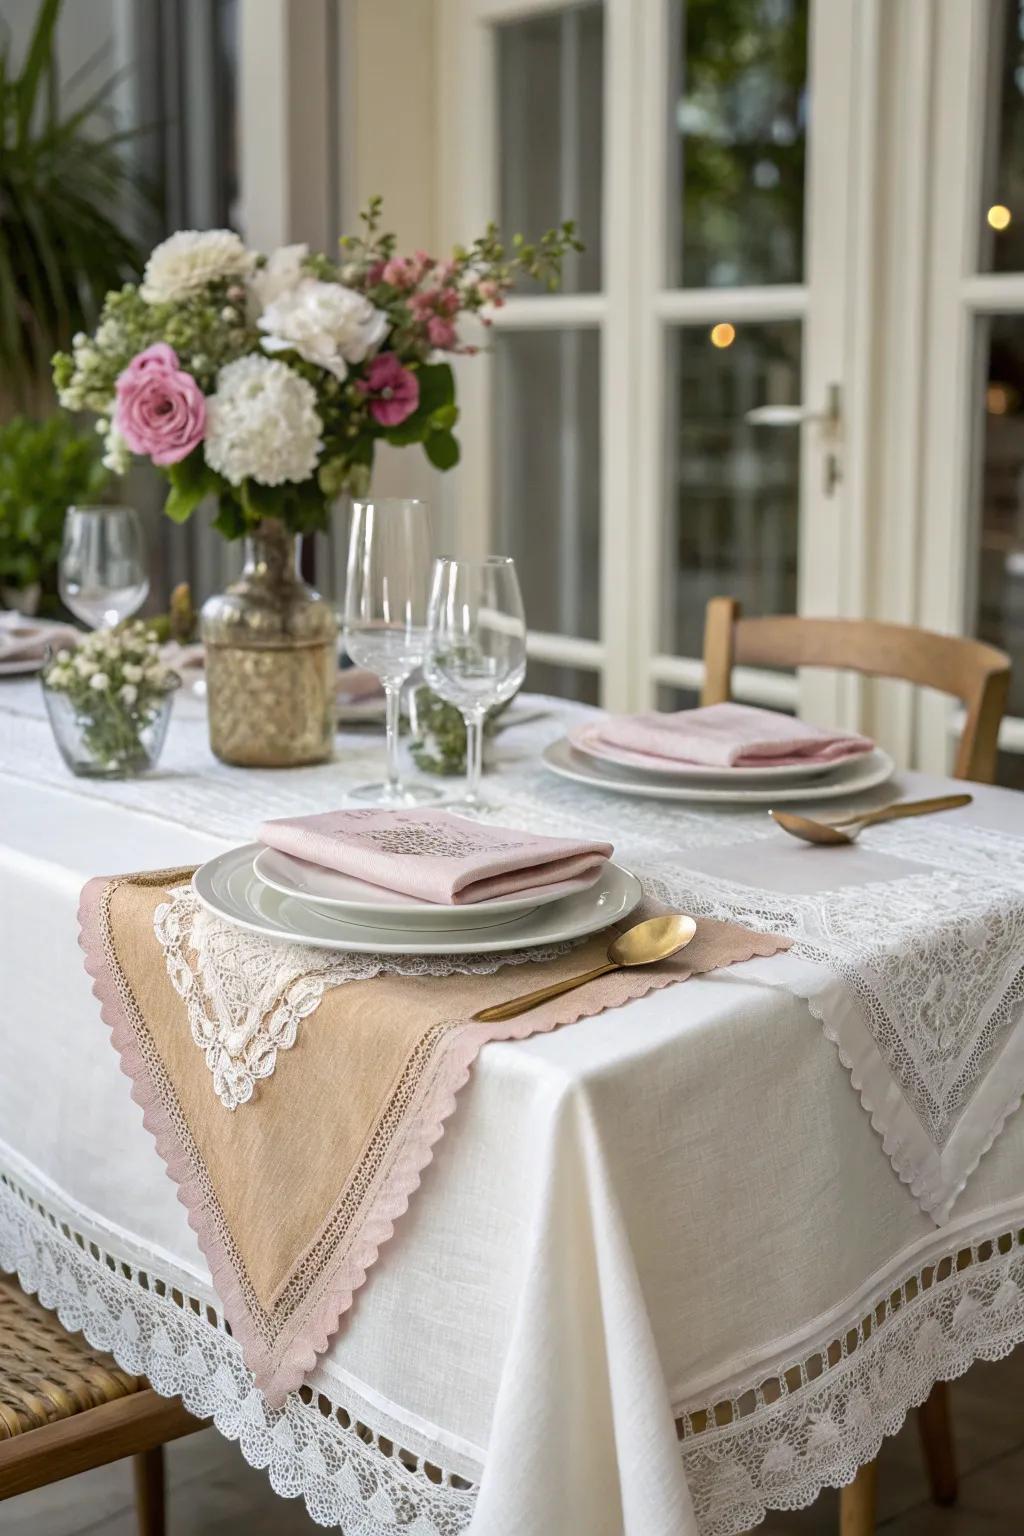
column 476, row 651
column 102, row 574
column 386, row 596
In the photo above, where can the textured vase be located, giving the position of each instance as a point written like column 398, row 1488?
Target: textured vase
column 271, row 660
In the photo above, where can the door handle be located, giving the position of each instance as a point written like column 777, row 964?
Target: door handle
column 796, row 415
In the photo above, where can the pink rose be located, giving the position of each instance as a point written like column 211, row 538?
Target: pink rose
column 393, row 391
column 161, row 411
column 441, row 332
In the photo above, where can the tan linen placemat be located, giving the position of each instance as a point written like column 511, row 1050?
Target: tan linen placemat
column 292, row 1201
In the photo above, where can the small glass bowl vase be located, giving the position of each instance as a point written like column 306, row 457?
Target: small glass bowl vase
column 108, row 739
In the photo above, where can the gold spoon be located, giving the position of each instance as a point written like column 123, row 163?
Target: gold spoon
column 644, row 944
column 845, row 828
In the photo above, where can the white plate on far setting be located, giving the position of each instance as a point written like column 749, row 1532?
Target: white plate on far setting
column 229, row 887
column 850, row 778
column 587, row 739
column 357, row 902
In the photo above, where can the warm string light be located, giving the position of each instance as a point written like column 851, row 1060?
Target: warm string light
column 723, row 334
column 999, row 216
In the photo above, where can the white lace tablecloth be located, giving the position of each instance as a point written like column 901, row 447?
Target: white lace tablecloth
column 674, row 1207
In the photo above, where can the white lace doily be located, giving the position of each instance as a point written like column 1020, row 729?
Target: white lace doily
column 247, row 995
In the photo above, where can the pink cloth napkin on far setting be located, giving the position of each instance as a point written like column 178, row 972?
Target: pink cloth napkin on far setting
column 730, row 736
column 433, row 854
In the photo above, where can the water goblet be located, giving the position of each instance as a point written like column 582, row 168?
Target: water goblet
column 102, row 574
column 386, row 597
column 476, row 650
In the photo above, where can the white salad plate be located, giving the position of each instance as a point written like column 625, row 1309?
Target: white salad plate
column 229, row 887
column 587, row 739
column 357, row 902
column 850, row 778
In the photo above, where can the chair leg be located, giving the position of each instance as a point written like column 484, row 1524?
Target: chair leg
column 935, row 1428
column 857, row 1503
column 148, row 1468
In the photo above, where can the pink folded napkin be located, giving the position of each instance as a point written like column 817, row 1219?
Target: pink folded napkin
column 24, row 639
column 433, row 854
column 730, row 736
column 356, row 684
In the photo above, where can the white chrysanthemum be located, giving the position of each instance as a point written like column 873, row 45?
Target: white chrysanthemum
column 325, row 323
column 283, row 272
column 190, row 260
column 262, row 423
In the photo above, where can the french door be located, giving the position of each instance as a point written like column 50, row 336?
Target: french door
column 681, row 418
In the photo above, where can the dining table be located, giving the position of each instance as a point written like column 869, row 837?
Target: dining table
column 669, row 1267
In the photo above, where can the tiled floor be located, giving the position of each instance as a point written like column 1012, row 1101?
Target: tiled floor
column 213, row 1492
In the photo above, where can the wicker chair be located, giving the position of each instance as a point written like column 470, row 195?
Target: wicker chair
column 65, row 1407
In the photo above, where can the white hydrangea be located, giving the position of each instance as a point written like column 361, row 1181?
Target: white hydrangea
column 325, row 323
column 262, row 423
column 283, row 271
column 190, row 260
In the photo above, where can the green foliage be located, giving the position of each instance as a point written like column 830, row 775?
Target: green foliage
column 65, row 188
column 441, row 745
column 45, row 467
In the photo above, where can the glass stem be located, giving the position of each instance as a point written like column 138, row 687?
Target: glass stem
column 474, row 753
column 393, row 706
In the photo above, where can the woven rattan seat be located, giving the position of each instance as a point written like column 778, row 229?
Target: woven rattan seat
column 66, row 1407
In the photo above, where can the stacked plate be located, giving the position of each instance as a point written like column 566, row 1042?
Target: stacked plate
column 584, row 757
column 282, row 897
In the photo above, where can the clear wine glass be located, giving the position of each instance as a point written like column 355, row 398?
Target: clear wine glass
column 389, row 561
column 476, row 651
column 102, row 576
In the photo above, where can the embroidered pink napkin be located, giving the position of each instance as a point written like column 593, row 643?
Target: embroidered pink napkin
column 433, row 854
column 24, row 639
column 730, row 736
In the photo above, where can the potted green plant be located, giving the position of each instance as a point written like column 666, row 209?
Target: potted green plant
column 45, row 467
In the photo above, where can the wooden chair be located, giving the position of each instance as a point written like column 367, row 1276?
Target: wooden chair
column 65, row 1407
column 979, row 676
column 976, row 674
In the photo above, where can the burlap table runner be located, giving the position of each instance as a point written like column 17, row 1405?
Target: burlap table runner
column 292, row 1200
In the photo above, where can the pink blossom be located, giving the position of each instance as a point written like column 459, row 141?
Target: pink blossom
column 161, row 411
column 393, row 391
column 399, row 273
column 441, row 332
column 159, row 355
column 490, row 292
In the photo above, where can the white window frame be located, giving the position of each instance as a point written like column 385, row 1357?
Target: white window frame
column 635, row 310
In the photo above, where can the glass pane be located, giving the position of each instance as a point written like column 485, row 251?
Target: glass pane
column 550, row 131
column 671, row 698
column 738, row 143
column 564, row 682
column 1000, row 617
column 733, row 488
column 547, row 489
column 1002, row 211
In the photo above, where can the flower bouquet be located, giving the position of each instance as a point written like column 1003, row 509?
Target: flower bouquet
column 109, row 702
column 266, row 384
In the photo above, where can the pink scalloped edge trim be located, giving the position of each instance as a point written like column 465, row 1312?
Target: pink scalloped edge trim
column 282, row 1370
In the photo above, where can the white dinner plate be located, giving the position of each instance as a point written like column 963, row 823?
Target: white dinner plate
column 850, row 778
column 23, row 667
column 587, row 739
column 229, row 886
column 357, row 902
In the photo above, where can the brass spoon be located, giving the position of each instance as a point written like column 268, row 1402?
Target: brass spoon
column 845, row 828
column 644, row 944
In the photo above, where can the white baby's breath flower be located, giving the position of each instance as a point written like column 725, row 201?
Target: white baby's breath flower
column 84, row 663
column 192, row 259
column 132, row 672
column 100, row 681
column 325, row 323
column 128, row 693
column 262, row 423
column 63, row 657
column 117, row 456
column 283, row 271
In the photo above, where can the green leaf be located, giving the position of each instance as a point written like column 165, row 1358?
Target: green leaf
column 442, row 450
column 192, row 481
column 444, row 418
column 437, row 387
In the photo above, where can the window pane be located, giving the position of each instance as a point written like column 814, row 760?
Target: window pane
column 564, row 682
column 1000, row 617
column 738, row 143
column 547, row 474
column 733, row 488
column 550, row 130
column 1002, row 211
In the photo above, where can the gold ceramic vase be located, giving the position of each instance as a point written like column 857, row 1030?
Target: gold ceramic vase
column 271, row 660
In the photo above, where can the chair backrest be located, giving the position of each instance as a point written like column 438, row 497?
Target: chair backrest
column 976, row 674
